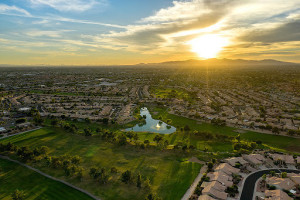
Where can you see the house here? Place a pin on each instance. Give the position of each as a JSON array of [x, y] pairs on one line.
[[2, 130], [254, 159], [298, 159], [281, 183], [206, 197], [227, 169], [288, 159], [232, 161], [295, 178], [276, 195], [221, 177], [215, 189]]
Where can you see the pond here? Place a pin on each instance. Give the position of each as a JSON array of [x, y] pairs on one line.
[[152, 125]]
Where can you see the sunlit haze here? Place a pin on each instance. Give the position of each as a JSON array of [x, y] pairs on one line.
[[105, 32], [208, 46]]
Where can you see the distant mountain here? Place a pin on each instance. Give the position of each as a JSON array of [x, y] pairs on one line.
[[222, 62]]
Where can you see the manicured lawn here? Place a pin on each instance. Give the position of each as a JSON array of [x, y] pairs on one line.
[[35, 186], [169, 172], [270, 141], [168, 92]]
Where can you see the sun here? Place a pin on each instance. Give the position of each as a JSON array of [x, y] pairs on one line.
[[208, 46]]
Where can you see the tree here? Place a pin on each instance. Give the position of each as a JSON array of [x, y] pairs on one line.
[[113, 170], [187, 128], [210, 165], [93, 172], [135, 137], [272, 173], [76, 160], [146, 142], [54, 122], [44, 150], [139, 181], [166, 143], [147, 184], [158, 138], [126, 177], [151, 197], [105, 121], [18, 195], [130, 135], [283, 175], [87, 120], [122, 140], [87, 132], [79, 173], [103, 176], [169, 121], [275, 130]]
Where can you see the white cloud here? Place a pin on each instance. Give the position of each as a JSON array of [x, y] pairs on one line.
[[13, 10], [70, 5], [169, 28], [180, 10], [38, 33]]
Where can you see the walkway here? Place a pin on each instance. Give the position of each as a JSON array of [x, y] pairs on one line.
[[7, 136], [192, 188], [48, 176]]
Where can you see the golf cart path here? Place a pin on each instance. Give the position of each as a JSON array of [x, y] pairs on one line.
[[50, 177]]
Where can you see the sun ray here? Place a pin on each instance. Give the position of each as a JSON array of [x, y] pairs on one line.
[[208, 46]]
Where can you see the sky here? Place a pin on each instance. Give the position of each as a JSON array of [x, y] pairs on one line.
[[116, 32]]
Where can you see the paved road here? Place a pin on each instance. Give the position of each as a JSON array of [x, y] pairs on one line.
[[249, 184], [48, 176], [20, 133]]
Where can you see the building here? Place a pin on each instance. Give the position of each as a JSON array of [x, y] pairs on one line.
[[232, 161], [276, 195], [214, 189], [281, 183], [227, 169], [288, 159], [295, 178], [254, 159], [206, 197], [221, 177]]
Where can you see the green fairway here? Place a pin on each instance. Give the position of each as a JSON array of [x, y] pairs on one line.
[[270, 141], [169, 172], [35, 186]]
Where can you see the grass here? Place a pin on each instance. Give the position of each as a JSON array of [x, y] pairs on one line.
[[170, 174], [278, 142], [35, 186], [163, 93]]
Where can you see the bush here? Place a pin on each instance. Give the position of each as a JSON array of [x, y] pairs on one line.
[[126, 177]]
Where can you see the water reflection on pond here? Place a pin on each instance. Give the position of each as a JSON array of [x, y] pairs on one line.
[[152, 125]]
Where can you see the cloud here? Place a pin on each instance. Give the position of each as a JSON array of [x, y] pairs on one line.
[[46, 19], [283, 33], [52, 34], [13, 10], [169, 29], [155, 31], [70, 5]]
